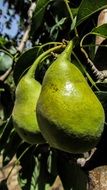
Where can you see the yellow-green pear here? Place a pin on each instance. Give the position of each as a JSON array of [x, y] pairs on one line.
[[69, 114]]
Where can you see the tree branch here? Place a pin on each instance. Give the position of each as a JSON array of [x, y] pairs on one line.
[[28, 28], [6, 74], [100, 75]]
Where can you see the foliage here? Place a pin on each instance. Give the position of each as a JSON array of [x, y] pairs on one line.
[[52, 22]]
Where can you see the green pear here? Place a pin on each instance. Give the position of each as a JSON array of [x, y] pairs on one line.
[[69, 114], [27, 94], [24, 119]]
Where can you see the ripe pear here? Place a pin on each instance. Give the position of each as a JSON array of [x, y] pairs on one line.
[[69, 114], [27, 93]]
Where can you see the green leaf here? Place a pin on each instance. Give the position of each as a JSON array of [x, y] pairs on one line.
[[89, 7], [102, 96], [41, 174], [39, 14], [100, 31], [11, 146], [24, 61], [5, 62], [5, 133], [74, 11], [100, 58], [1, 114], [6, 100], [71, 175], [25, 154], [3, 41], [54, 31], [37, 177], [82, 68]]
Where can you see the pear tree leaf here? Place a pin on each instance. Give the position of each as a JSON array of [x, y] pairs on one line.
[[24, 62], [39, 13], [3, 41], [25, 154], [58, 26], [41, 175], [88, 8], [71, 174], [100, 30], [11, 146], [37, 177], [102, 96], [4, 136], [74, 11], [100, 58]]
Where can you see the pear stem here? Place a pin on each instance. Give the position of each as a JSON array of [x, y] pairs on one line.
[[31, 71], [67, 52]]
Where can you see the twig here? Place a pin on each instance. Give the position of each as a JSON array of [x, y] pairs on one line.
[[100, 75], [6, 74], [27, 31], [96, 72]]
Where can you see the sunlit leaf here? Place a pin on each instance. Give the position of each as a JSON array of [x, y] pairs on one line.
[[100, 30], [88, 8]]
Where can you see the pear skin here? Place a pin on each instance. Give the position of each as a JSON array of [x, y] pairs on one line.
[[70, 116]]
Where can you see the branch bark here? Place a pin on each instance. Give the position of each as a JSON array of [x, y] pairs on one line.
[[28, 28], [6, 74]]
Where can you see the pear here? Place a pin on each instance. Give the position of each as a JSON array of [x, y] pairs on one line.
[[26, 96], [24, 119], [69, 114]]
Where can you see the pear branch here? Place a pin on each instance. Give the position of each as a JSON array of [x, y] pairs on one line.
[[27, 31], [6, 74], [100, 75]]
